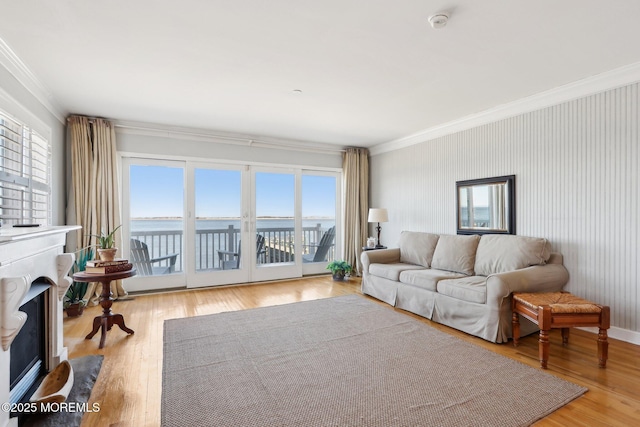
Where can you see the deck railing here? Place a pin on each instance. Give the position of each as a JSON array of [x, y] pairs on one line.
[[278, 248], [161, 243]]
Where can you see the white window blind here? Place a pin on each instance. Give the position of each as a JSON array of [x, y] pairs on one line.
[[25, 174]]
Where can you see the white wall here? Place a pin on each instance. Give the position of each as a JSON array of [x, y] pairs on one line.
[[155, 141], [577, 184]]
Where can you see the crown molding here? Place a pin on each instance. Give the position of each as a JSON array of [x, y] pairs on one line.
[[12, 108], [165, 131], [605, 81], [14, 65]]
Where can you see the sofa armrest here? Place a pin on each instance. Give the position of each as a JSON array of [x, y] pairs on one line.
[[538, 278], [379, 256], [555, 258]]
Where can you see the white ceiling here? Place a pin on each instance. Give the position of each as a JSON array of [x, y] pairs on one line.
[[370, 71]]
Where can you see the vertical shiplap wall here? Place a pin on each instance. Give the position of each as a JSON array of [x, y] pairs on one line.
[[577, 184]]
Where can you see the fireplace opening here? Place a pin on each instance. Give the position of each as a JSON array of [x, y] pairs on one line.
[[28, 349]]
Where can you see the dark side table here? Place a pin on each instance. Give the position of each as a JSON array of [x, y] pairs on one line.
[[367, 248], [107, 319]]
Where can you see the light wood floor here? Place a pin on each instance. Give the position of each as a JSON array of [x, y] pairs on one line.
[[128, 389]]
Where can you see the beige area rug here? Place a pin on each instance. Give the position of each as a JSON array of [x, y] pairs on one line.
[[342, 361]]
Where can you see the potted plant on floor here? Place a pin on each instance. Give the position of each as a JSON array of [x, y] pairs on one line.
[[105, 243], [339, 269], [73, 301]]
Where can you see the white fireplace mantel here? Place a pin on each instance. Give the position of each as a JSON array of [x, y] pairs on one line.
[[27, 254]]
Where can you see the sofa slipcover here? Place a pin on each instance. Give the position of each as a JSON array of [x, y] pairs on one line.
[[464, 282]]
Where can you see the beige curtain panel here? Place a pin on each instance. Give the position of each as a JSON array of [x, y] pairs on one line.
[[355, 165], [94, 200]]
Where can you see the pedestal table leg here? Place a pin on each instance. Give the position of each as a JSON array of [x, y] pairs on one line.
[[107, 319]]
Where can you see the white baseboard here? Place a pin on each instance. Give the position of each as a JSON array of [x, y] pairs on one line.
[[619, 334]]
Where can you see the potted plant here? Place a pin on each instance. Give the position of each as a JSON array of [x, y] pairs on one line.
[[73, 301], [105, 243], [339, 269]]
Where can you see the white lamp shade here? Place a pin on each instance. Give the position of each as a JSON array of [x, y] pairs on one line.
[[378, 215]]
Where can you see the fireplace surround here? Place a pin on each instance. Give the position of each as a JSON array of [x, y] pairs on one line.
[[29, 255]]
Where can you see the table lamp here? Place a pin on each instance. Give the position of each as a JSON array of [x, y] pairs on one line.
[[378, 215]]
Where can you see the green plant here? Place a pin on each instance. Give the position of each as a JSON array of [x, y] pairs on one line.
[[77, 289], [342, 267], [106, 241]]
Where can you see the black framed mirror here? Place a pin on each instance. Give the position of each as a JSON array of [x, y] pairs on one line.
[[486, 205]]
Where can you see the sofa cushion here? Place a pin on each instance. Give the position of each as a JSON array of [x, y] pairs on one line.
[[417, 248], [455, 253], [498, 253], [471, 288], [427, 279], [391, 271]]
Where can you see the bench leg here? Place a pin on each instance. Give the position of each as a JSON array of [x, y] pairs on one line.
[[603, 348], [603, 343], [565, 336], [543, 348], [515, 322]]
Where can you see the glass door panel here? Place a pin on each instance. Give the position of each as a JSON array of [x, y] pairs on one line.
[[274, 225], [318, 220], [320, 228], [218, 225], [155, 225], [275, 218], [218, 196]]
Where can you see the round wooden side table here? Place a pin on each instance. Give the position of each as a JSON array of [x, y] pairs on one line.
[[107, 319]]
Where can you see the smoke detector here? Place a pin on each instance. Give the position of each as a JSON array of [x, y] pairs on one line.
[[439, 20]]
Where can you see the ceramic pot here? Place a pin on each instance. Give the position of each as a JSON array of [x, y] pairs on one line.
[[338, 276], [75, 310], [107, 254]]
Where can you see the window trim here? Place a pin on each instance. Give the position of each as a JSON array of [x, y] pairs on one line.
[[25, 190]]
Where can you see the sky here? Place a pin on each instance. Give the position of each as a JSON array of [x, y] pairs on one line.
[[158, 191], [480, 195]]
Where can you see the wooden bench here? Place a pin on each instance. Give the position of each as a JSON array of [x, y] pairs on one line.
[[560, 310]]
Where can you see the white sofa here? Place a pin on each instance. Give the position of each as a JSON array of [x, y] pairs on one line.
[[462, 281]]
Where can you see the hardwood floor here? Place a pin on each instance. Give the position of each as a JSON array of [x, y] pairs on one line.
[[128, 389]]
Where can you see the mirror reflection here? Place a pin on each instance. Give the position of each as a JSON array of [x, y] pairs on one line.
[[486, 205]]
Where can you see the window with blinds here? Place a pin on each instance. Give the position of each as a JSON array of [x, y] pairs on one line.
[[25, 174]]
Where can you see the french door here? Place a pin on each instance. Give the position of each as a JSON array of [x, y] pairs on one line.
[[319, 208], [218, 224], [231, 223], [274, 224], [153, 205]]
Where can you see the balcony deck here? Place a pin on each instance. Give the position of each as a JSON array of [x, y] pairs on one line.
[[279, 245]]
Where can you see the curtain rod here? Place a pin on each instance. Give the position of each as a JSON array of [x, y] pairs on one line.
[[91, 119]]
